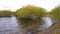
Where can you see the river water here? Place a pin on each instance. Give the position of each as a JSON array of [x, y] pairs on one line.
[[9, 25]]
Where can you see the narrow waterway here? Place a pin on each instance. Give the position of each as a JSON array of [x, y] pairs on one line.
[[9, 25]]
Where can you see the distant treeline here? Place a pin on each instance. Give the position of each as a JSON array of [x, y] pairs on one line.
[[6, 13]]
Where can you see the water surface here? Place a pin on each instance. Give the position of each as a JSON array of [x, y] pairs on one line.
[[10, 25]]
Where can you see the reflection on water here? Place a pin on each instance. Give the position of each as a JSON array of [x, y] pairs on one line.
[[47, 21], [37, 28], [10, 24]]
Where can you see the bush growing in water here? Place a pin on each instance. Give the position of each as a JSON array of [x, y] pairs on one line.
[[30, 11]]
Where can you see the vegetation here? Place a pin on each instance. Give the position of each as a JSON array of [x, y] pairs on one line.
[[27, 11], [30, 11], [56, 12], [5, 13]]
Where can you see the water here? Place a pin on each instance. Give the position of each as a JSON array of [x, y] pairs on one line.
[[47, 24], [47, 21], [9, 25]]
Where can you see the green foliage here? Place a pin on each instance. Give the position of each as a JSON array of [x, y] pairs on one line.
[[5, 12], [30, 11], [56, 12]]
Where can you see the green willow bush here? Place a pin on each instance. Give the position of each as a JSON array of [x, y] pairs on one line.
[[30, 11]]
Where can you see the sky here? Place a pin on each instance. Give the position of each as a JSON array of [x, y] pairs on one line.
[[16, 4]]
